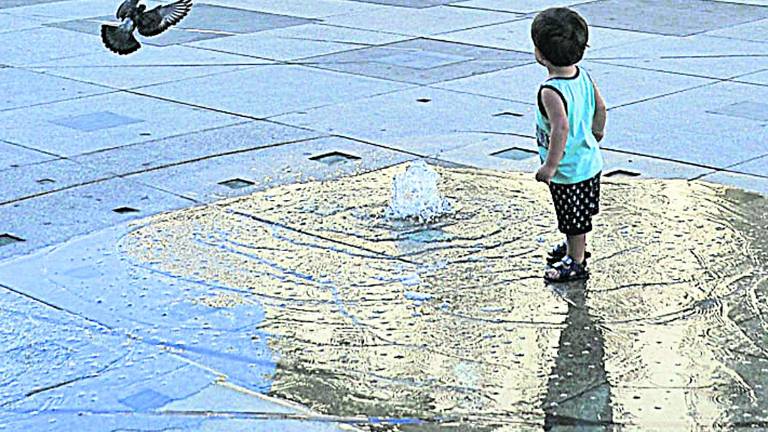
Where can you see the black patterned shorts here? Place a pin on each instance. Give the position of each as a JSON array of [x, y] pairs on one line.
[[575, 204]]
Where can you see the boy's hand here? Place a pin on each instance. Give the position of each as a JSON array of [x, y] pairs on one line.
[[598, 134], [545, 173]]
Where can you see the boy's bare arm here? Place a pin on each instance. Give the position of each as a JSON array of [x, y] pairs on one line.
[[558, 120], [598, 121]]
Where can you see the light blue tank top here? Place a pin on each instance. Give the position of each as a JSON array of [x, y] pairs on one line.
[[582, 159]]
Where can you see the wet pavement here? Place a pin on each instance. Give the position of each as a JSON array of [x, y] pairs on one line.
[[196, 236]]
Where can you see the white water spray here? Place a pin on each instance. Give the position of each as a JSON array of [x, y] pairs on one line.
[[415, 194]]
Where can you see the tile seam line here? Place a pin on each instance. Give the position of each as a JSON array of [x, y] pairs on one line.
[[396, 150], [732, 78], [74, 158], [218, 155], [478, 8], [480, 26], [54, 306], [69, 99], [727, 169], [112, 175], [45, 152], [695, 164]]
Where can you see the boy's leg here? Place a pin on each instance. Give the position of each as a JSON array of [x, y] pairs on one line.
[[576, 247]]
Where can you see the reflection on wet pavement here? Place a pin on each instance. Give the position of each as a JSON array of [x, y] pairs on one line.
[[449, 326]]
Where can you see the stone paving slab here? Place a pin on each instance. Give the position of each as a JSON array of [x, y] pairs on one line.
[[743, 181], [16, 91], [619, 85], [760, 78], [419, 22], [11, 23], [56, 11], [664, 127], [54, 218], [208, 180], [415, 4], [46, 177], [48, 43], [696, 55], [44, 347], [517, 6], [758, 166], [183, 346], [157, 154], [755, 31], [516, 36], [421, 61], [399, 120], [512, 153], [301, 8], [12, 156], [145, 67], [669, 17], [274, 90], [16, 3], [292, 43], [101, 122]]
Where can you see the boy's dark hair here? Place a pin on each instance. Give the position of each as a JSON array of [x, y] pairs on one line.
[[561, 36]]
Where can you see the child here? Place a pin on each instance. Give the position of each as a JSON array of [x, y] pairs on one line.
[[569, 123]]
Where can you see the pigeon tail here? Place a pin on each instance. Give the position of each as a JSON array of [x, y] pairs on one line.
[[119, 39]]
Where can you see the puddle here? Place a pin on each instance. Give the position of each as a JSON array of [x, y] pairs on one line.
[[449, 325]]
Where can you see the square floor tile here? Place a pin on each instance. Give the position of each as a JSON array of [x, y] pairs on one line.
[[147, 67], [516, 35], [272, 90], [619, 85], [747, 109], [176, 150], [95, 121], [684, 127], [668, 17], [21, 88], [699, 55], [301, 8], [421, 61], [12, 156], [399, 120], [78, 126], [44, 44], [6, 4], [268, 167], [517, 6], [46, 177], [297, 42], [758, 166], [203, 22], [416, 4], [743, 181], [233, 20], [420, 22]]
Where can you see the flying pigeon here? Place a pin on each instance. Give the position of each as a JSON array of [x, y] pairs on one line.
[[120, 39]]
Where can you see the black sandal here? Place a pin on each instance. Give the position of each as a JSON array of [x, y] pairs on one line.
[[567, 270], [558, 253]]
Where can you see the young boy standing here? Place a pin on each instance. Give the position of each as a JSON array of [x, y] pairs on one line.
[[569, 123]]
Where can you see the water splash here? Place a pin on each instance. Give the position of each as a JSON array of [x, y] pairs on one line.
[[415, 195]]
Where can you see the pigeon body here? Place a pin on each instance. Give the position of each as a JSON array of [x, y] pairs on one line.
[[120, 39]]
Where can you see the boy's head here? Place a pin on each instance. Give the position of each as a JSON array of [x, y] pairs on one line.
[[560, 35]]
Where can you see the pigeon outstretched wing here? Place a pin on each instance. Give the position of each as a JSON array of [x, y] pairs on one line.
[[119, 38], [157, 20]]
